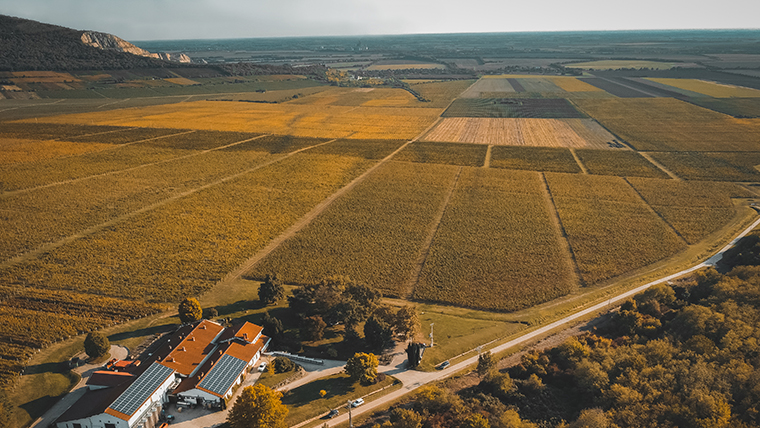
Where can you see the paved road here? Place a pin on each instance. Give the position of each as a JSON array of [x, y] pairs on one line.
[[85, 371], [414, 379]]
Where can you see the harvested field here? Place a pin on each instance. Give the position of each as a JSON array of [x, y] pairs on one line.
[[322, 121], [665, 124], [711, 166], [492, 85], [695, 209], [711, 89], [184, 247], [521, 132], [623, 163], [609, 227], [546, 108], [736, 107], [534, 159], [536, 84], [444, 153], [373, 234], [497, 247], [615, 89], [516, 84]]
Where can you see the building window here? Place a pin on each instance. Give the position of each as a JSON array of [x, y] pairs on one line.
[[110, 425], [77, 425]]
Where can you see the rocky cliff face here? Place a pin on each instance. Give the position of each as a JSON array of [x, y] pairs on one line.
[[110, 42]]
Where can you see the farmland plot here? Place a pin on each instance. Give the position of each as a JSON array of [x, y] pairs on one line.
[[736, 107], [520, 132], [664, 124], [373, 234], [545, 108], [16, 150], [711, 89], [726, 166], [493, 85], [534, 159], [51, 131], [694, 209], [623, 163], [610, 229], [183, 247], [366, 149], [497, 247], [572, 84], [441, 94], [444, 153]]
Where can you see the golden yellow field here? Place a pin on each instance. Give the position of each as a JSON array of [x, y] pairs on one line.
[[14, 150], [367, 97], [713, 89], [324, 121], [571, 84], [576, 133]]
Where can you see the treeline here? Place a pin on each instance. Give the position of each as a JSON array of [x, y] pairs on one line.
[[31, 45], [681, 355], [250, 69]]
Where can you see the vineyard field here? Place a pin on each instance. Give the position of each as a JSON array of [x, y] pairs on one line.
[[534, 159], [665, 124], [365, 149], [610, 229], [184, 247], [710, 89], [16, 150], [310, 120], [695, 209], [497, 247], [51, 131], [542, 108], [441, 94], [622, 163], [736, 107], [727, 166], [373, 234], [444, 153], [520, 132]]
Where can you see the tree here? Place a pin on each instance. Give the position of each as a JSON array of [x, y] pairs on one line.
[[271, 290], [313, 328], [283, 364], [407, 322], [96, 344], [405, 418], [475, 421], [190, 310], [272, 326], [591, 418], [367, 298], [258, 407], [362, 367], [486, 364], [377, 334], [209, 313]]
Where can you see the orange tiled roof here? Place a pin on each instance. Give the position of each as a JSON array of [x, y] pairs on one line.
[[245, 352], [248, 331], [193, 348]]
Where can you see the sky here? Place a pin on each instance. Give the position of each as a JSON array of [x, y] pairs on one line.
[[219, 19]]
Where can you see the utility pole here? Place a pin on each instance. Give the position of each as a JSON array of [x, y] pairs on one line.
[[431, 334], [350, 422]]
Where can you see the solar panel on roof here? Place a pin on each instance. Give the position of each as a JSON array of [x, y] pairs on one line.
[[223, 374], [142, 388]]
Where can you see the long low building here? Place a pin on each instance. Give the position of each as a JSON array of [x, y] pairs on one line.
[[201, 363]]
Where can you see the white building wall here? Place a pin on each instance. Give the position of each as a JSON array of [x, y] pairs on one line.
[[157, 397], [199, 393], [97, 421]]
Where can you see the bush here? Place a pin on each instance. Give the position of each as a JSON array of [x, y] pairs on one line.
[[210, 313], [283, 365]]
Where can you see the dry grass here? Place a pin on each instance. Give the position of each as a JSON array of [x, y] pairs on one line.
[[712, 89], [322, 121], [521, 132]]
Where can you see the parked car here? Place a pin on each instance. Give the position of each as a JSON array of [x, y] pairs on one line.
[[263, 366], [444, 365], [333, 413], [357, 402]]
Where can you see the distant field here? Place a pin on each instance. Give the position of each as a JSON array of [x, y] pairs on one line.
[[711, 89], [373, 234], [444, 153], [695, 209], [740, 166], [622, 163], [534, 159], [182, 81], [491, 85], [665, 124], [322, 121], [736, 107], [496, 247], [618, 64], [610, 229], [396, 65], [572, 84], [441, 94], [521, 132], [546, 108], [368, 97]]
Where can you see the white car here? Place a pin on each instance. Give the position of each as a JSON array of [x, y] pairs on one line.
[[263, 366], [358, 402]]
